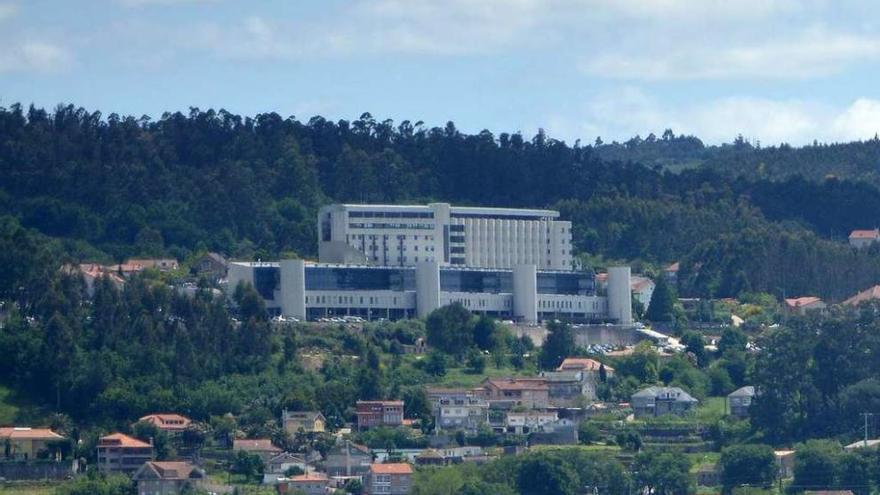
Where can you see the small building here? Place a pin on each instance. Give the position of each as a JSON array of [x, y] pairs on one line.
[[161, 264], [784, 463], [430, 457], [168, 422], [167, 478], [528, 421], [259, 446], [739, 401], [92, 273], [560, 432], [307, 421], [277, 467], [863, 238], [388, 479], [531, 393], [658, 401], [211, 266], [347, 459], [642, 289], [870, 294], [120, 453], [308, 484], [27, 443], [670, 273], [458, 409], [864, 444], [802, 305], [372, 413]]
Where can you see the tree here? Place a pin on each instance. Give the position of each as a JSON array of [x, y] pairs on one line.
[[558, 344], [662, 305], [435, 364], [476, 361], [753, 465], [150, 433], [732, 339], [588, 432], [248, 465], [815, 464], [543, 475], [695, 345], [663, 473], [485, 333], [450, 329]]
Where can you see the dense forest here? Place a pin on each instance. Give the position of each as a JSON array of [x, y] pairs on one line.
[[111, 187]]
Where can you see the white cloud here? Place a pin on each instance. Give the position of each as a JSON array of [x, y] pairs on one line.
[[7, 11], [815, 53], [34, 56], [628, 111]]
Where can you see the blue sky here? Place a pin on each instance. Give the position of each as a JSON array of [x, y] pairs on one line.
[[773, 70]]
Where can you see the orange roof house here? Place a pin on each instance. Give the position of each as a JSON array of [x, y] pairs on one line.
[[870, 294], [25, 442], [582, 364], [171, 423]]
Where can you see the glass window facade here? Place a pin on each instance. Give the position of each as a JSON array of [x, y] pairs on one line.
[[476, 281], [574, 283], [333, 278], [266, 280]]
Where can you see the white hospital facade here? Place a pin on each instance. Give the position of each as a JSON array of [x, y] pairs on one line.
[[379, 261]]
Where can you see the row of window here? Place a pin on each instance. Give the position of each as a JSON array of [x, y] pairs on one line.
[[544, 304], [348, 300], [390, 214], [399, 237], [407, 226]]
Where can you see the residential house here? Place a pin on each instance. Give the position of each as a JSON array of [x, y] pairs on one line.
[[167, 478], [864, 444], [642, 289], [121, 453], [802, 305], [863, 238], [563, 431], [308, 484], [739, 401], [531, 393], [784, 463], [569, 388], [307, 421], [388, 479], [430, 457], [26, 443], [211, 266], [348, 459], [658, 401], [260, 446], [458, 409], [585, 364], [168, 422], [371, 413], [527, 421], [277, 466], [670, 273], [871, 294], [161, 264]]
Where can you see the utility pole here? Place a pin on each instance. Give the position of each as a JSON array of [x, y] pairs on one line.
[[865, 416]]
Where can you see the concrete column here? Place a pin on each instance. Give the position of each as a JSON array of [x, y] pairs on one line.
[[293, 288], [525, 293], [427, 288], [619, 295]]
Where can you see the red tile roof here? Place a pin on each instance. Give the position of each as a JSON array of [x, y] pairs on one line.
[[391, 468], [865, 234], [172, 470], [122, 440], [582, 364], [26, 433], [798, 302], [672, 268], [167, 421], [865, 295]]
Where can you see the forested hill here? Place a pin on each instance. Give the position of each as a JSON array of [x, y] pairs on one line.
[[113, 186], [858, 160]]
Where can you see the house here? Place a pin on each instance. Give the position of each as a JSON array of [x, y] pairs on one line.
[[348, 459], [458, 409], [277, 467], [121, 453], [430, 457], [28, 443], [307, 421], [784, 463], [525, 422], [739, 401], [670, 273], [371, 413], [168, 422], [584, 364], [570, 388], [871, 294], [531, 393], [308, 484], [864, 444], [259, 446], [560, 432], [161, 264], [642, 289], [802, 305], [167, 478], [91, 273], [388, 479], [863, 238], [211, 266], [658, 401]]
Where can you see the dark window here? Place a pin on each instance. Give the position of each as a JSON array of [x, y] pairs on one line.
[[266, 279], [456, 228], [331, 278], [456, 250], [456, 238]]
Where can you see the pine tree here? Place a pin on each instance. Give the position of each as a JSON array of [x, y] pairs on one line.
[[662, 303]]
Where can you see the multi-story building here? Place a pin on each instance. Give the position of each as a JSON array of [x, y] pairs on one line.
[[404, 235], [529, 421], [388, 479], [121, 453], [458, 409], [372, 413], [659, 401], [505, 393], [295, 288]]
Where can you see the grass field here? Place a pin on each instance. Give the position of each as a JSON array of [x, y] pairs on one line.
[[27, 489]]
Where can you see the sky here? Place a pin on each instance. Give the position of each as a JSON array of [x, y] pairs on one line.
[[772, 70]]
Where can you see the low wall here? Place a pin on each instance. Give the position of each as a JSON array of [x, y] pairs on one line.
[[584, 335], [36, 470]]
